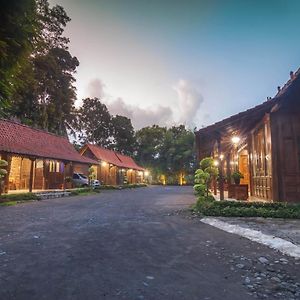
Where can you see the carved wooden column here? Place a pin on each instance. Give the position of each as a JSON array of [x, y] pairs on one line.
[[32, 161], [221, 175]]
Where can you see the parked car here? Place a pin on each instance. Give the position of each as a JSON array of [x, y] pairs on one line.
[[95, 183], [80, 180]]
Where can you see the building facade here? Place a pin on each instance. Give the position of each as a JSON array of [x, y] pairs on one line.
[[113, 168], [38, 160], [263, 143]]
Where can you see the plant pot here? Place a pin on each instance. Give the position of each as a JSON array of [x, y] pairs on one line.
[[237, 181]]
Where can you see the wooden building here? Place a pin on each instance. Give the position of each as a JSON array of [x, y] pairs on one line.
[[263, 143], [38, 160], [113, 168]]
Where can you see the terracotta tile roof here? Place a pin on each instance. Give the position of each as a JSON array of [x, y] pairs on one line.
[[103, 154], [24, 140], [112, 157], [128, 162]]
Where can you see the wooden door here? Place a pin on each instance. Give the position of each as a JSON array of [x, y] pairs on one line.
[[244, 168]]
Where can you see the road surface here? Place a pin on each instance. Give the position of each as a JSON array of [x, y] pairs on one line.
[[128, 244]]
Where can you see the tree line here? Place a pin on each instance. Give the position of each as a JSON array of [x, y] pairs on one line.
[[37, 88]]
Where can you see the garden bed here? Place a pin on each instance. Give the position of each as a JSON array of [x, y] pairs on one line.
[[207, 206]]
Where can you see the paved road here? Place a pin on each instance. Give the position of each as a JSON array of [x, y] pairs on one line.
[[119, 245]]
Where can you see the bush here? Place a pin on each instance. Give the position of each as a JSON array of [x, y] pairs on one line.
[[18, 197], [208, 207]]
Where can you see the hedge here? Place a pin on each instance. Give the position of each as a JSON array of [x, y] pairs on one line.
[[209, 207]]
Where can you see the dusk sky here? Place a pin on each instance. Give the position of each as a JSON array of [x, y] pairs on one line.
[[192, 62]]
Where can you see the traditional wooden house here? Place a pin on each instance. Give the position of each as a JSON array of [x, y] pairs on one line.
[[38, 160], [263, 143], [113, 168]]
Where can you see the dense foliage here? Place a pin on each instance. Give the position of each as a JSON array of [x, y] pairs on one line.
[[167, 151], [17, 31], [37, 68]]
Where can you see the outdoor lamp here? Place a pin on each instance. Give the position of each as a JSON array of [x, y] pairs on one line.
[[221, 156], [146, 173], [103, 163], [216, 163], [235, 139]]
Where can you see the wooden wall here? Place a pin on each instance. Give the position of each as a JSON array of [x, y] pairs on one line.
[[286, 155]]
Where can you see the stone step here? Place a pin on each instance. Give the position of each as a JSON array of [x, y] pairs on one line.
[[51, 195]]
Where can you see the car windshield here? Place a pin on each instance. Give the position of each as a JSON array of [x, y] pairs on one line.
[[83, 176]]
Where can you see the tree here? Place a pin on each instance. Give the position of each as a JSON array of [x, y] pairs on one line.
[[170, 152], [46, 95], [18, 28], [94, 123], [177, 156], [149, 142], [123, 135]]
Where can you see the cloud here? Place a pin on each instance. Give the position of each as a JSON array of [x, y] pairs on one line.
[[96, 88], [189, 101], [184, 110], [140, 117]]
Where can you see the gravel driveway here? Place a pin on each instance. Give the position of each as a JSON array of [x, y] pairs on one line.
[[131, 244]]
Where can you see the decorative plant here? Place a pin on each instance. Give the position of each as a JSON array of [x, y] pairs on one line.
[[68, 179], [92, 174], [204, 175], [237, 175], [3, 172]]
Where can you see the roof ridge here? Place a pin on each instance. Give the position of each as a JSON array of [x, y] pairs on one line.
[[33, 128]]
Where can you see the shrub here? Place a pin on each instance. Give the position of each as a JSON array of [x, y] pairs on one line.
[[208, 207], [18, 197]]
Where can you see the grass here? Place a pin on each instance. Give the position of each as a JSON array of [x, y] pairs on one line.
[[18, 197], [10, 203], [209, 207], [13, 199]]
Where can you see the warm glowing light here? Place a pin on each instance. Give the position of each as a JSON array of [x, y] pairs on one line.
[[216, 163], [103, 163], [221, 156], [146, 173], [130, 170], [235, 139]]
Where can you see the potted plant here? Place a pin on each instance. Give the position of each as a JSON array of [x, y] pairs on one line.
[[237, 175], [68, 182], [3, 172]]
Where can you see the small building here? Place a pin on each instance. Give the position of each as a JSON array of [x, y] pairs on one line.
[[113, 168], [263, 143], [38, 160]]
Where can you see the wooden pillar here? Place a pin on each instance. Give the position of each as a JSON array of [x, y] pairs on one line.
[[31, 175], [64, 175], [221, 175]]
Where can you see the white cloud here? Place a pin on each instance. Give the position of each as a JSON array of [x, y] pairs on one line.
[[183, 111], [140, 117], [189, 101]]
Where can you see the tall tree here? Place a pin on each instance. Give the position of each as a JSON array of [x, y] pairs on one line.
[[18, 27], [123, 135], [166, 151], [149, 142], [94, 123], [46, 96]]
